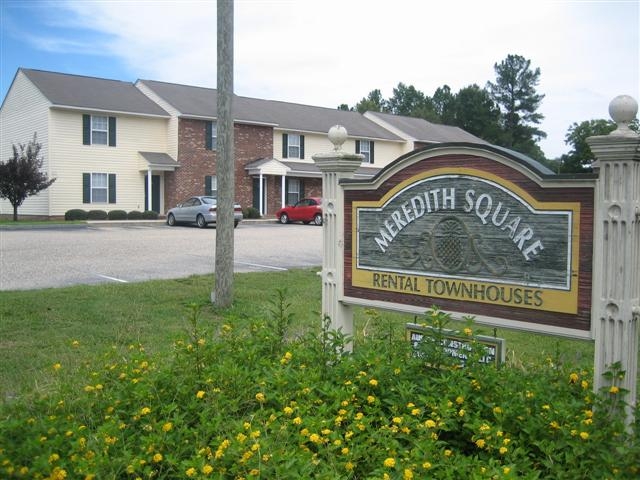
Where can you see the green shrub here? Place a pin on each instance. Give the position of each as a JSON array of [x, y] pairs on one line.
[[149, 215], [134, 215], [117, 215], [251, 212], [234, 401], [97, 215], [76, 214]]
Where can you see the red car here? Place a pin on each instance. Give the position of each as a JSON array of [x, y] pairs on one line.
[[306, 211]]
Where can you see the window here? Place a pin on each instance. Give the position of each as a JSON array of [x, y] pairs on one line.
[[98, 130], [292, 145], [211, 136], [294, 190], [365, 147], [98, 188], [211, 186]]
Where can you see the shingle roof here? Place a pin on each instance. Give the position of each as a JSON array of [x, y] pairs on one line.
[[424, 131], [76, 91], [159, 158], [202, 102]]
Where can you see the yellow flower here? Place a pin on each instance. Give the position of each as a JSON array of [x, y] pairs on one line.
[[448, 453], [584, 384], [429, 424], [480, 443], [287, 410], [254, 472], [345, 450], [390, 462], [415, 411], [468, 332], [497, 410], [157, 458], [54, 457], [426, 465], [57, 366], [460, 400], [315, 438], [614, 389], [348, 466], [584, 435], [167, 427], [461, 412], [191, 472], [297, 421], [145, 411], [506, 470], [371, 399], [503, 450], [207, 469], [573, 378], [397, 420], [260, 397], [200, 394], [75, 343], [373, 382], [407, 474]]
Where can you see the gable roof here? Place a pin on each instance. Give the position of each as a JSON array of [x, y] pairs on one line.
[[421, 130], [90, 93], [201, 102]]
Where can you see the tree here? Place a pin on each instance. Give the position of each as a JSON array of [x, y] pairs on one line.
[[444, 104], [372, 102], [20, 176], [344, 107], [410, 102], [515, 93], [580, 157], [476, 113]]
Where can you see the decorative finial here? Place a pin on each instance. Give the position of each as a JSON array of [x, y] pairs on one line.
[[623, 110], [337, 135]]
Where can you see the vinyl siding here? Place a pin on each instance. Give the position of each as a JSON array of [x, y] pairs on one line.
[[71, 159], [172, 128], [24, 112], [385, 152]]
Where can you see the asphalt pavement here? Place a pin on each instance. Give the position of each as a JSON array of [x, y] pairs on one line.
[[32, 258]]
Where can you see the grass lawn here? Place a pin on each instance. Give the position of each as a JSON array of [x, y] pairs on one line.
[[38, 327]]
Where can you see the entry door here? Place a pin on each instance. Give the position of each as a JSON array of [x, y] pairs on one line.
[[155, 193], [256, 195]]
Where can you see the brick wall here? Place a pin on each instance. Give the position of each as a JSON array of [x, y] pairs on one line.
[[251, 143]]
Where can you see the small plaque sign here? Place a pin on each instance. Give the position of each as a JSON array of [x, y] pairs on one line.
[[458, 347]]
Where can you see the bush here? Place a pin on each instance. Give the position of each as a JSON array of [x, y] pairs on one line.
[[117, 215], [76, 214], [251, 212], [97, 215], [134, 215], [250, 402], [149, 215]]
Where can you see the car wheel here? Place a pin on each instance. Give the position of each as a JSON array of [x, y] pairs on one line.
[[201, 221], [284, 218], [171, 220], [317, 219]]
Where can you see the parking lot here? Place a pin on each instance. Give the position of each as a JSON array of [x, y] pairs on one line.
[[99, 253]]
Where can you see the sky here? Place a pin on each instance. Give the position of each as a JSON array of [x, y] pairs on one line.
[[329, 52]]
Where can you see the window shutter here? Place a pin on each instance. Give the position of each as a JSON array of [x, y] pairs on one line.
[[112, 188], [208, 134], [86, 130], [357, 146], [301, 146], [86, 188], [285, 145], [302, 189], [371, 151], [112, 131], [207, 185]]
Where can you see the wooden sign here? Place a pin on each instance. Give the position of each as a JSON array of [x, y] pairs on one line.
[[475, 235]]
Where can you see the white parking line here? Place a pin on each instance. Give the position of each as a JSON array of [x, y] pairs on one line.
[[111, 278], [261, 266]]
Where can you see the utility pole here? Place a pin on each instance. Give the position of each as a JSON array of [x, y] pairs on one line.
[[222, 295]]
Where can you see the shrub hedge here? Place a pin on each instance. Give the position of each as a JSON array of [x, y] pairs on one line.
[[117, 215], [251, 212], [76, 214], [246, 403], [134, 215], [149, 215], [97, 215]]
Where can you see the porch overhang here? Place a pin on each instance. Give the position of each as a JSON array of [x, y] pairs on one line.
[[157, 161], [267, 166]]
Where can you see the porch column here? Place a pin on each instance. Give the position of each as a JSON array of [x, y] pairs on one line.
[[615, 313], [149, 193], [335, 166], [282, 192], [260, 194]]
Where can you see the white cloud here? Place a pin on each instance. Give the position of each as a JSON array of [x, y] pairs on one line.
[[331, 52]]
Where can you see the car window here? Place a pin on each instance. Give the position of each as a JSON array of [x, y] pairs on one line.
[[209, 200], [303, 203]]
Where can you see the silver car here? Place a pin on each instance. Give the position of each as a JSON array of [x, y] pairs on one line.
[[199, 210]]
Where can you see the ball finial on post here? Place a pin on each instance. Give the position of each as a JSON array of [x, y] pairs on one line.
[[337, 136], [623, 110]]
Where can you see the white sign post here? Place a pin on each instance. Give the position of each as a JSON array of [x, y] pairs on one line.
[[615, 313]]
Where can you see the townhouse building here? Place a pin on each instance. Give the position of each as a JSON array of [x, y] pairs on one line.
[[150, 144]]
